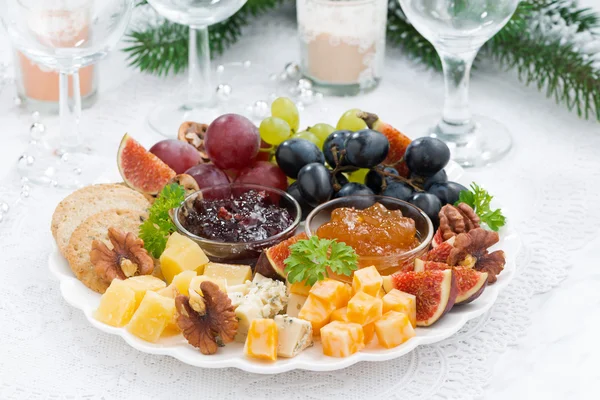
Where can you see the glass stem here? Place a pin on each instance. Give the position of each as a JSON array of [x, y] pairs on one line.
[[200, 90], [70, 114], [456, 117]]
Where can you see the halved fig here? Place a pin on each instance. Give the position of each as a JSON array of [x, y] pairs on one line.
[[270, 263], [470, 282], [438, 239], [439, 253], [435, 291]]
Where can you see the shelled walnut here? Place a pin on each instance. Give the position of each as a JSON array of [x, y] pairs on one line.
[[457, 219], [472, 248], [193, 133], [127, 258], [187, 181], [207, 321]]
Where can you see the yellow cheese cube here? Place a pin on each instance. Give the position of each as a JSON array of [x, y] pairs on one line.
[[393, 329], [117, 304], [152, 316], [233, 274], [170, 291], [141, 284], [402, 302], [332, 291], [181, 281], [367, 280], [341, 314], [300, 288], [295, 303], [342, 339], [262, 340], [197, 280], [181, 254], [317, 312], [380, 294], [364, 309]]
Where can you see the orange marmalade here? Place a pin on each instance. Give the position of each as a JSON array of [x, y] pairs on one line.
[[374, 231]]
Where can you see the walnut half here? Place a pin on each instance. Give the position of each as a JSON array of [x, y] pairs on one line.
[[208, 321], [127, 258], [472, 249], [457, 219]]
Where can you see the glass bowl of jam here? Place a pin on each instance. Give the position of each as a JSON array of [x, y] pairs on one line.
[[234, 223], [384, 231]]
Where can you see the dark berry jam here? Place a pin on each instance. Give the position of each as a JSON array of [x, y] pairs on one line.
[[248, 217]]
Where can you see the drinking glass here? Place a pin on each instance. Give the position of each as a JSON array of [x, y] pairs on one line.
[[457, 29], [199, 102], [63, 36]]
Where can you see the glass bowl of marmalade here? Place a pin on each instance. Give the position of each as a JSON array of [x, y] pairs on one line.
[[384, 231]]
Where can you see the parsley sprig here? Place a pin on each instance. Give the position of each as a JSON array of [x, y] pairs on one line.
[[156, 229], [479, 199], [310, 258]]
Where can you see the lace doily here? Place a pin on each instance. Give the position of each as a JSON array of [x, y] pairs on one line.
[[50, 351]]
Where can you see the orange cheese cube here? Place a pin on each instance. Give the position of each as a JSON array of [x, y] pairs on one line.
[[262, 339], [364, 309], [332, 291], [300, 288], [341, 314], [342, 339], [369, 331], [317, 312], [117, 304], [393, 329], [367, 280], [402, 302]]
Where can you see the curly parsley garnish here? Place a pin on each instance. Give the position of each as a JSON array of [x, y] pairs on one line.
[[310, 258], [479, 199], [156, 229]]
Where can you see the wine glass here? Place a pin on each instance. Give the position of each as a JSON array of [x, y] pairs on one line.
[[457, 29], [199, 102], [64, 36]]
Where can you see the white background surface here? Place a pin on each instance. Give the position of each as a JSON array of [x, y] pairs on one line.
[[550, 183]]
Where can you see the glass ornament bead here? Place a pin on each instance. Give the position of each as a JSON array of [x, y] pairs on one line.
[[223, 91], [304, 83], [4, 207], [37, 130], [260, 109], [292, 70], [35, 116]]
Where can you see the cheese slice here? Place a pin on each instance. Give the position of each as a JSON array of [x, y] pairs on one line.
[[295, 304], [233, 274], [295, 335]]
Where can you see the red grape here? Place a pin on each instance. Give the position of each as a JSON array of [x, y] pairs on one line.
[[263, 173], [263, 155], [232, 141], [178, 155], [208, 175]]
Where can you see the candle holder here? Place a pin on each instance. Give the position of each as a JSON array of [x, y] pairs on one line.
[[342, 44]]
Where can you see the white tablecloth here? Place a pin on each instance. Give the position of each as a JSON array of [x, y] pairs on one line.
[[539, 340]]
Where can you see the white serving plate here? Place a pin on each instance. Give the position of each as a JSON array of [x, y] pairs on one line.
[[80, 297]]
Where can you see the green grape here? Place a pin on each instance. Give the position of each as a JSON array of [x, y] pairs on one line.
[[321, 131], [306, 135], [358, 176], [285, 109], [349, 121], [274, 130]]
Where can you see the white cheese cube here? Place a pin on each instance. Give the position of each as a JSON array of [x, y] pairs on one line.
[[249, 310], [241, 288], [236, 298], [295, 303], [295, 335]]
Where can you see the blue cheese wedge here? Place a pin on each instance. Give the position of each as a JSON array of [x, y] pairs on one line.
[[294, 335], [273, 294]]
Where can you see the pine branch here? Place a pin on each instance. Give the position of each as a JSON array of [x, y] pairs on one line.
[[163, 49]]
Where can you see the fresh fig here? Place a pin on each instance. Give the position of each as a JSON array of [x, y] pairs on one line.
[[470, 282], [435, 291], [439, 253], [270, 263]]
